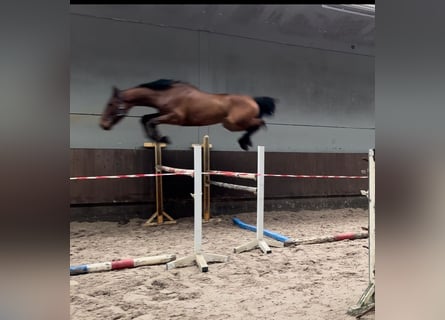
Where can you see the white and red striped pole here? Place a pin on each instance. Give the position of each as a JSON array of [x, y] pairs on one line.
[[125, 176], [121, 264]]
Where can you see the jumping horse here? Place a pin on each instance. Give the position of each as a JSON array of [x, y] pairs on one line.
[[183, 104]]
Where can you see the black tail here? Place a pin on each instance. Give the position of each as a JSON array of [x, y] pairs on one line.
[[266, 104]]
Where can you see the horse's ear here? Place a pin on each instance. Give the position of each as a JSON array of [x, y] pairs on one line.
[[115, 91]]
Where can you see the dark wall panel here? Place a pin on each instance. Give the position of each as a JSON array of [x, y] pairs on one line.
[[95, 162]]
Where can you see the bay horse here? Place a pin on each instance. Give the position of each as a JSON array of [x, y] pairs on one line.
[[180, 103]]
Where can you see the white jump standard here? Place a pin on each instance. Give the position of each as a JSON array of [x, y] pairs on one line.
[[259, 242], [366, 302], [198, 256]]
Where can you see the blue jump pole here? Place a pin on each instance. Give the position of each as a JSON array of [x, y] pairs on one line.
[[267, 233]]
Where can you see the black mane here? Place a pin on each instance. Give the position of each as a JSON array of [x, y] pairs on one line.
[[161, 84]]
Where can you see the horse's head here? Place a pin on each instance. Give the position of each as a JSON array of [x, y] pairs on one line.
[[115, 110]]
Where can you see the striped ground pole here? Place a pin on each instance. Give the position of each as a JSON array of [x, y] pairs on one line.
[[337, 237], [120, 264]]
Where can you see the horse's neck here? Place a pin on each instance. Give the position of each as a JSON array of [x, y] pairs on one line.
[[140, 97]]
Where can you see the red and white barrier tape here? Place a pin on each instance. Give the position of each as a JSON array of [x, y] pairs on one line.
[[188, 172], [314, 176]]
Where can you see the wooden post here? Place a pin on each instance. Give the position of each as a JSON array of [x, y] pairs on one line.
[[206, 168], [160, 213]]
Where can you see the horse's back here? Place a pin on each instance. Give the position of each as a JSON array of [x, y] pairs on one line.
[[198, 108]]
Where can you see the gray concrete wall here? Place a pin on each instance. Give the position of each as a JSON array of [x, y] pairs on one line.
[[326, 93]]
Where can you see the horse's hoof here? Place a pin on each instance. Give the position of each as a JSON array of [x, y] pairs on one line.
[[243, 145], [247, 142], [165, 139]]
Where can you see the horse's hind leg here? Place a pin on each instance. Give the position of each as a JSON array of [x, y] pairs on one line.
[[245, 141]]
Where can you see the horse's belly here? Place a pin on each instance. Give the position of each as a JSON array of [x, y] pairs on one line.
[[203, 118], [232, 126], [199, 122]]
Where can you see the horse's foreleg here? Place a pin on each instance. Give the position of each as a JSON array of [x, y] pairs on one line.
[[169, 118], [150, 130]]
